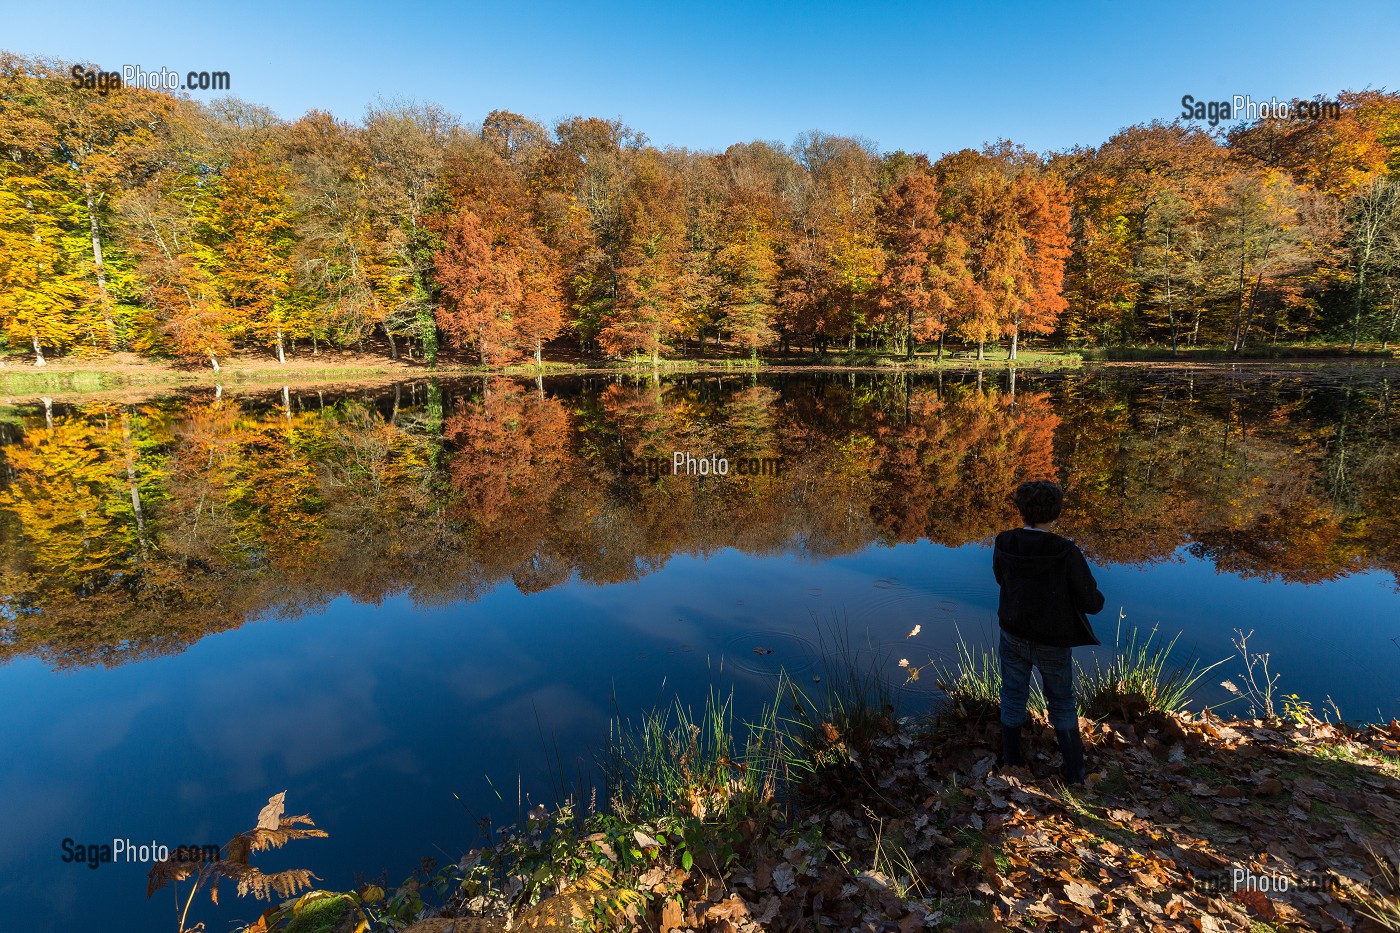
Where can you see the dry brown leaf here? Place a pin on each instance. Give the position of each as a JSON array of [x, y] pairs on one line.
[[670, 915], [270, 816]]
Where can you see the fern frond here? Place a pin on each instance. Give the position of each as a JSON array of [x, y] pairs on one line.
[[597, 878], [182, 864], [462, 925], [168, 872], [260, 884], [594, 890], [261, 839]]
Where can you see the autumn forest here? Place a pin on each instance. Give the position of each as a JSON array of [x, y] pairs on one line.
[[132, 220]]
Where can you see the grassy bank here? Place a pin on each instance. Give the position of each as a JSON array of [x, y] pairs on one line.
[[121, 372], [838, 811], [951, 359], [1300, 352]]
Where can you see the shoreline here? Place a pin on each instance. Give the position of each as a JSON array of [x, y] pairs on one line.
[[89, 378]]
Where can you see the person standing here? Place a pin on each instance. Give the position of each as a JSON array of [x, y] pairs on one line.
[[1047, 594]]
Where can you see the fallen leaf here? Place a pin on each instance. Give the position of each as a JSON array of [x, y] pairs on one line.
[[670, 915], [1081, 894]]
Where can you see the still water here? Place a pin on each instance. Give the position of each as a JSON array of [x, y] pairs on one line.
[[375, 599]]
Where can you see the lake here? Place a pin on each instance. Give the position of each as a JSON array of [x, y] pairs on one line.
[[379, 598]]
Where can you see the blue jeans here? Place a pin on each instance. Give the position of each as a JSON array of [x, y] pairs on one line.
[[1018, 656]]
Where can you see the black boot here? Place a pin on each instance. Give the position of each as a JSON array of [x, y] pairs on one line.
[[1072, 750], [1011, 747]]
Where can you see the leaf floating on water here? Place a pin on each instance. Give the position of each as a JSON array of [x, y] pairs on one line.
[[917, 629], [761, 650], [270, 816]]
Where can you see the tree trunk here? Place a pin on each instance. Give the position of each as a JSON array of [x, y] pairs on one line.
[[393, 346], [213, 362], [1360, 303], [981, 348], [940, 348], [131, 482], [1249, 315], [39, 354], [1015, 339], [539, 352], [98, 266], [1239, 312], [281, 353], [1171, 312]]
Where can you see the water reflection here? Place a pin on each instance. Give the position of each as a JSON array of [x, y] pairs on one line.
[[479, 577], [133, 530]]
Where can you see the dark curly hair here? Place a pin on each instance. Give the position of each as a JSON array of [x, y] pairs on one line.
[[1039, 501]]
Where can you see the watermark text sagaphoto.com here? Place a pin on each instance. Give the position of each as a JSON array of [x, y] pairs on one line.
[[162, 79], [1239, 878], [1243, 107], [95, 854], [684, 463]]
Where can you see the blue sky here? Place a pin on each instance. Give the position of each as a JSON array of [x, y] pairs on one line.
[[927, 76]]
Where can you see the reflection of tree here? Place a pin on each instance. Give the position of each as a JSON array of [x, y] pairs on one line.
[[136, 530], [73, 505], [953, 464], [512, 456], [1239, 473]]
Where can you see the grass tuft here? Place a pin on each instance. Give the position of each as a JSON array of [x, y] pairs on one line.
[[1139, 679], [697, 762], [972, 684]]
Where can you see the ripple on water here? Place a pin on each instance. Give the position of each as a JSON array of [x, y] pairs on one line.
[[769, 651]]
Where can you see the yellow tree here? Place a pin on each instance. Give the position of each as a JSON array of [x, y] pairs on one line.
[[44, 296], [750, 274], [252, 226], [96, 143]]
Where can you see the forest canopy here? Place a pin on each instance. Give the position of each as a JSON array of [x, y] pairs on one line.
[[140, 221]]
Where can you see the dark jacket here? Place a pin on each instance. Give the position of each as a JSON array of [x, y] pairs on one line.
[[1047, 589]]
